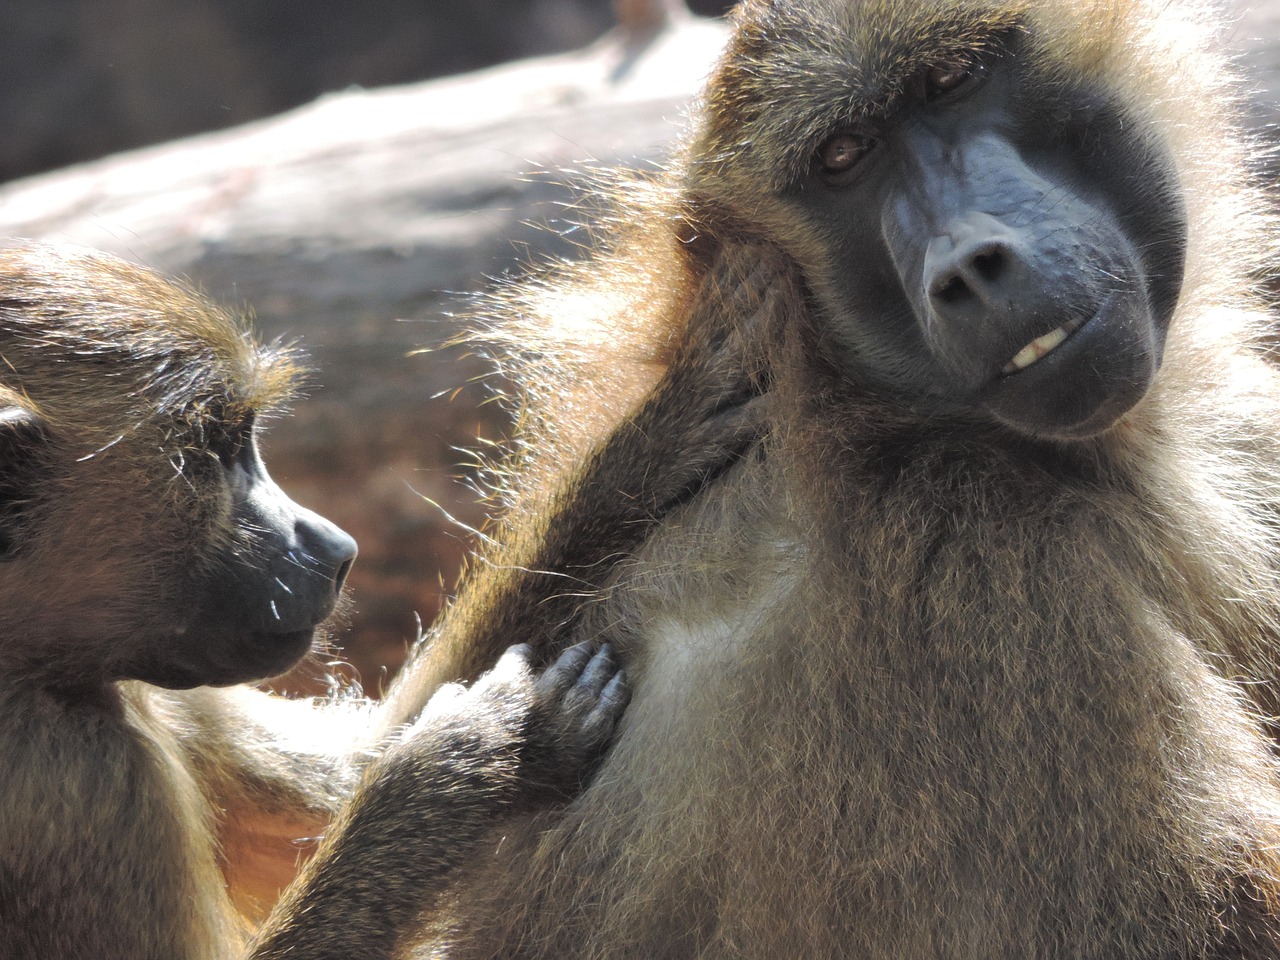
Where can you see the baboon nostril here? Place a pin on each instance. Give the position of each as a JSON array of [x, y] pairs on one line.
[[341, 576], [951, 289], [974, 276], [989, 265]]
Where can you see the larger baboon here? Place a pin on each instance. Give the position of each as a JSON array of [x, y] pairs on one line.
[[149, 565], [966, 660]]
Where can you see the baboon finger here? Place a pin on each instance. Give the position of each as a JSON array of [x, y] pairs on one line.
[[600, 722], [739, 418], [515, 656], [447, 693], [597, 674], [561, 676], [511, 674], [725, 437], [516, 663], [615, 696], [765, 272]]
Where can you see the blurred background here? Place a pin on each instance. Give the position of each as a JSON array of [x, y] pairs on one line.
[[84, 78], [349, 170]]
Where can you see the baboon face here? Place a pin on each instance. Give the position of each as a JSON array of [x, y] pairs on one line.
[[140, 534], [992, 238], [269, 580]]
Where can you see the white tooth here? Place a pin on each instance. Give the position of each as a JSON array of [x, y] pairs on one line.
[[1050, 340], [1038, 347], [1025, 357]]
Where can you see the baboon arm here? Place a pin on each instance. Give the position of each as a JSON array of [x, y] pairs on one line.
[[385, 857], [280, 753], [277, 770], [699, 419], [423, 804]]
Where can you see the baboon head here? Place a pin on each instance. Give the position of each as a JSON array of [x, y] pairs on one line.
[[140, 535], [982, 199]]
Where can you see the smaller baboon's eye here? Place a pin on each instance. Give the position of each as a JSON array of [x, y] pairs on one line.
[[843, 152], [229, 441], [942, 78]]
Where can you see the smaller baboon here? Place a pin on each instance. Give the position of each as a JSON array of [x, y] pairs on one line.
[[150, 567]]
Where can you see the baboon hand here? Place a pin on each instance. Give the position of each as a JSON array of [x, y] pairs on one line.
[[544, 733], [738, 303], [577, 703], [712, 404]]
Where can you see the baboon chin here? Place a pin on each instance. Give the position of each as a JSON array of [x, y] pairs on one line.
[[970, 657]]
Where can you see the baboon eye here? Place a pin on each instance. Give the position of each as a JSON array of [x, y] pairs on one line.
[[229, 441], [843, 152], [942, 78]]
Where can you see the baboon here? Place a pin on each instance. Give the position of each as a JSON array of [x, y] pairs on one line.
[[970, 656], [150, 567]]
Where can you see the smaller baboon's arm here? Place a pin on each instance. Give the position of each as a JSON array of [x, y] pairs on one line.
[[277, 769], [699, 419], [423, 803]]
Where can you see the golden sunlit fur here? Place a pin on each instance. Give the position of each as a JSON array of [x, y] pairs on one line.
[[912, 685]]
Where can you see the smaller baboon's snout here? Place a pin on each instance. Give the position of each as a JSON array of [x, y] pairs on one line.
[[331, 549]]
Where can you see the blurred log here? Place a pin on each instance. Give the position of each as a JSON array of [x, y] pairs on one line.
[[348, 224]]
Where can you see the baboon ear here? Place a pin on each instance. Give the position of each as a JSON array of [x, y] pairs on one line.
[[22, 436]]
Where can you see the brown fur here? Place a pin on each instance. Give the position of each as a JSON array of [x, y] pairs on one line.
[[908, 685], [141, 822], [562, 536]]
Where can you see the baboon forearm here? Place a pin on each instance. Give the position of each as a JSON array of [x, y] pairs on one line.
[[272, 751], [388, 857], [511, 740]]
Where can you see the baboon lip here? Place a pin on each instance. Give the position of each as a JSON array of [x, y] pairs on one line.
[[288, 635], [288, 638]]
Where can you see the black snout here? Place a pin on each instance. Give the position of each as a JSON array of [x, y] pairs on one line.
[[331, 549]]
